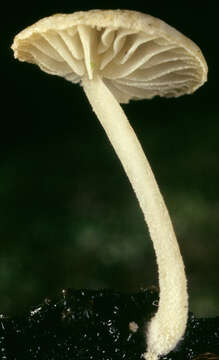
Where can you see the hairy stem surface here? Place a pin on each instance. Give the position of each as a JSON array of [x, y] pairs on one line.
[[168, 325]]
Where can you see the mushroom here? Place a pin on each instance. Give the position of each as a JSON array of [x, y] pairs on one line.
[[116, 56]]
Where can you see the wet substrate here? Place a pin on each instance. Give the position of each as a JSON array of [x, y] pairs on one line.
[[98, 325]]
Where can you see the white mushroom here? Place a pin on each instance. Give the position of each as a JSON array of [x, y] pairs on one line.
[[119, 55]]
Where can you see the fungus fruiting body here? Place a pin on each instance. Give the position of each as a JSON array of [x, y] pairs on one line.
[[119, 55]]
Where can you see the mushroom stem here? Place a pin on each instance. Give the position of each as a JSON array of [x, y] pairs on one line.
[[168, 325]]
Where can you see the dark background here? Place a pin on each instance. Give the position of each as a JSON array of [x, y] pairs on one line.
[[68, 216]]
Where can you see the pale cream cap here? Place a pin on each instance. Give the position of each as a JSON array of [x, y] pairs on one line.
[[137, 56]]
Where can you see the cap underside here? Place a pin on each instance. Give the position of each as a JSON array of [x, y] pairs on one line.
[[136, 55]]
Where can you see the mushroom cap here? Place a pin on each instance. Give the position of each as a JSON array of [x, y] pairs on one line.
[[138, 56]]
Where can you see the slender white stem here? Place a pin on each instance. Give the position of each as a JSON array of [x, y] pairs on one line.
[[168, 325]]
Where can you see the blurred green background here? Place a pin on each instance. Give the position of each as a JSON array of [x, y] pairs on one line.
[[68, 216]]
